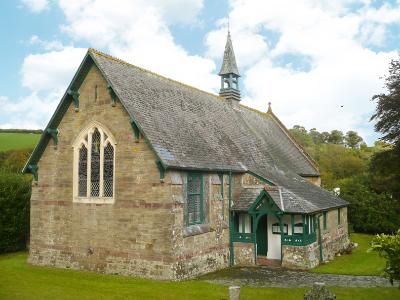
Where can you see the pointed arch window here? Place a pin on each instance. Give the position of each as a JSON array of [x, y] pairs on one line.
[[94, 166]]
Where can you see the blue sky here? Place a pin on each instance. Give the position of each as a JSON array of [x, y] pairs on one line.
[[306, 57]]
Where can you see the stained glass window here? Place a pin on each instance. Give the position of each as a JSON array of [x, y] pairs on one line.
[[95, 165], [82, 172], [194, 199], [108, 167]]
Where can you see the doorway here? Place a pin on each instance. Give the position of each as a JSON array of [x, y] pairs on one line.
[[262, 236]]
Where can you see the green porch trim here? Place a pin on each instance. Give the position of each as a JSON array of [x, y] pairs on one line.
[[136, 130], [265, 180], [75, 97], [292, 221], [112, 94], [33, 169], [324, 219], [243, 237], [299, 240], [265, 205], [338, 216], [54, 135]]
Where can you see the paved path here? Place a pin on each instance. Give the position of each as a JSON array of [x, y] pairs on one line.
[[271, 277]]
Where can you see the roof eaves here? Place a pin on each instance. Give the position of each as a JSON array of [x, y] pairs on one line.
[[57, 116]]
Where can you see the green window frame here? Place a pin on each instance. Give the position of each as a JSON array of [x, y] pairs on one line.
[[194, 207], [324, 219], [338, 216], [221, 180]]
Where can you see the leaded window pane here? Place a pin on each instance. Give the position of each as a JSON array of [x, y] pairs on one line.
[[82, 172], [194, 199], [95, 164], [108, 170]]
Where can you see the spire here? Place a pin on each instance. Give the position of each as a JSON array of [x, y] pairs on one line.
[[229, 63], [229, 75]]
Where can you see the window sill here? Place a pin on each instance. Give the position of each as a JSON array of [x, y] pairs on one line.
[[196, 230], [99, 200]]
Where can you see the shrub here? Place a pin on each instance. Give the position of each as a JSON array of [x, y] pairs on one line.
[[15, 191], [388, 246]]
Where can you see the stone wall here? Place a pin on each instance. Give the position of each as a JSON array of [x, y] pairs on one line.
[[204, 248], [133, 236], [300, 257], [244, 254], [334, 239]]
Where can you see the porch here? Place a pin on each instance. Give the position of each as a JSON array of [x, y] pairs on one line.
[[266, 229]]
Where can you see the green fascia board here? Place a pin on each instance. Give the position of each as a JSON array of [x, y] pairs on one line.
[[260, 197], [87, 62], [59, 113]]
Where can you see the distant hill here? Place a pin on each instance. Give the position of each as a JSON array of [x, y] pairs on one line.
[[14, 139]]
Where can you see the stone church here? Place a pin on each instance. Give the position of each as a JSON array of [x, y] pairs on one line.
[[141, 175]]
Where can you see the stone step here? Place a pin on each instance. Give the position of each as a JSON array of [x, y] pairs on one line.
[[264, 261]]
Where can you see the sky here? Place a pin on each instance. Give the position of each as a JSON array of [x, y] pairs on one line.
[[319, 62]]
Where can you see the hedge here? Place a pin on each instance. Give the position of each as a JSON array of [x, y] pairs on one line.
[[15, 192]]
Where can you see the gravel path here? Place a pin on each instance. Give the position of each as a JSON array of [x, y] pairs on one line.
[[271, 277]]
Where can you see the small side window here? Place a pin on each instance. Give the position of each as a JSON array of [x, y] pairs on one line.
[[276, 229]]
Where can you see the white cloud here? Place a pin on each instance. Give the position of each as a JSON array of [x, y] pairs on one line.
[[29, 111], [51, 71], [137, 31], [332, 36], [36, 5], [46, 45], [47, 76]]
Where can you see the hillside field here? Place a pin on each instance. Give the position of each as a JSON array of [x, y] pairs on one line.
[[14, 141]]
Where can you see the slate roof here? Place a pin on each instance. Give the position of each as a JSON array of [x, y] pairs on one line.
[[192, 129], [229, 65]]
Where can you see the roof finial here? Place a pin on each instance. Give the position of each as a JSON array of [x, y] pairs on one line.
[[229, 29], [269, 107]]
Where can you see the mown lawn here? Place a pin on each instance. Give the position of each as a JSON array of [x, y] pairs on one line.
[[21, 281], [14, 141], [360, 262]]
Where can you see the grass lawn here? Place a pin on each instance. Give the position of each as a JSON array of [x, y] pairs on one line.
[[360, 262], [13, 141], [21, 281]]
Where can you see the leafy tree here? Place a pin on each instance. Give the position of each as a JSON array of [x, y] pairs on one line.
[[387, 112], [388, 246], [316, 136], [336, 137], [385, 172], [301, 135], [369, 211], [325, 136], [385, 165], [352, 139]]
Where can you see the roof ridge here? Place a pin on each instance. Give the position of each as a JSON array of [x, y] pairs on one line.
[[108, 56]]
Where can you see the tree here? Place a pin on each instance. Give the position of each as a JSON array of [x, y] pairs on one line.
[[325, 136], [387, 112], [385, 165], [316, 136], [352, 139], [388, 246], [336, 137], [301, 135]]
